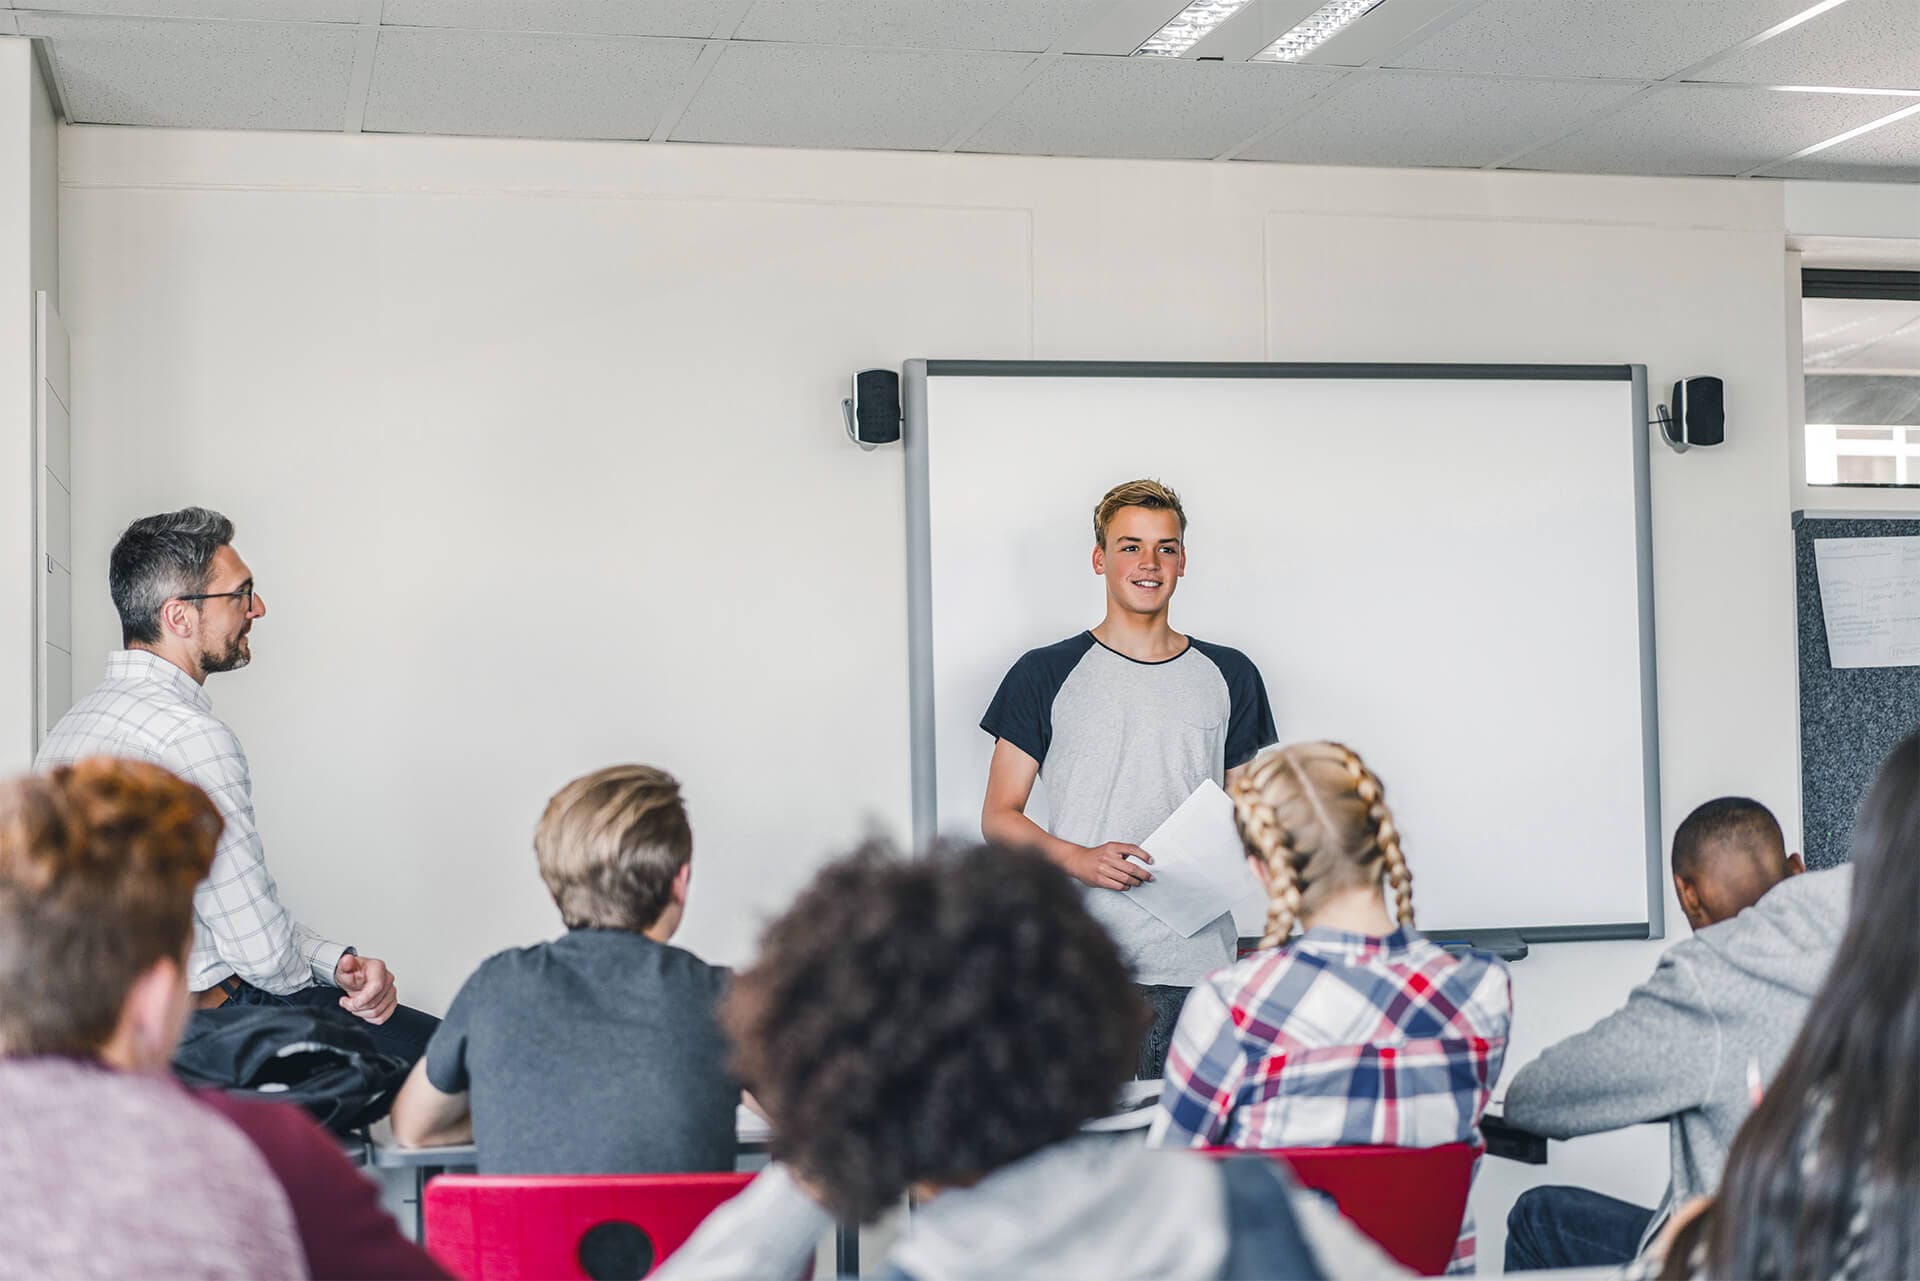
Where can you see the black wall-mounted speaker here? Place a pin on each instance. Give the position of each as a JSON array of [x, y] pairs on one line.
[[873, 411], [1697, 415]]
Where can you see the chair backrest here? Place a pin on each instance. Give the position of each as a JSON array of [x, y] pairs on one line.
[[554, 1227], [1411, 1201]]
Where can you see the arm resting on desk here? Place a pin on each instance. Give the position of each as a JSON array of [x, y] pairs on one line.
[[423, 1117], [770, 1230], [1656, 1056]]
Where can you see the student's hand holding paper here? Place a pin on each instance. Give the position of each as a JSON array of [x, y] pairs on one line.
[[1110, 866], [1203, 867]]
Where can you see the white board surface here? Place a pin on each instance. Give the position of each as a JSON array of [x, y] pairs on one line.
[[1442, 573]]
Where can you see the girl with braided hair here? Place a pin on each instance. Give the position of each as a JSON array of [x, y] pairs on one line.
[[1356, 1031]]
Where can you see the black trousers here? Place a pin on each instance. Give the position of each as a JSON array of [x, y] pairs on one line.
[[405, 1033]]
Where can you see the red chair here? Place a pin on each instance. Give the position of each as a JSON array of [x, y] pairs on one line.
[[559, 1227], [1411, 1201]]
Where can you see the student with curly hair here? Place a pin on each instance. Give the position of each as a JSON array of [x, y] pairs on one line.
[[1823, 1179], [108, 1167], [945, 1026], [1359, 1031]]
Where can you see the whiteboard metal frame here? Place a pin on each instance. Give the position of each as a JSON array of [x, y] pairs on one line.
[[914, 376]]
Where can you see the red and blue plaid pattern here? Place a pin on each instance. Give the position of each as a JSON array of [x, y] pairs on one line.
[[1339, 1040]]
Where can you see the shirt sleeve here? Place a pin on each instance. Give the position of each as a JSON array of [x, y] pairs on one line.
[[1022, 708], [238, 902], [447, 1052], [1250, 722], [1655, 1056], [1205, 1066], [342, 1228]]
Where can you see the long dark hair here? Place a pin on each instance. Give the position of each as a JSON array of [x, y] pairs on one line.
[[1839, 1129]]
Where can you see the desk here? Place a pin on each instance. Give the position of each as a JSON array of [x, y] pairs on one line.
[[1512, 1142]]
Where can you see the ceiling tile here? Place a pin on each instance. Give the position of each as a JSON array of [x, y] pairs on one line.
[[506, 85], [1863, 44], [199, 75], [1887, 154], [1410, 119], [1029, 25], [1685, 129], [781, 95], [694, 18], [1146, 107], [1629, 39], [256, 10]]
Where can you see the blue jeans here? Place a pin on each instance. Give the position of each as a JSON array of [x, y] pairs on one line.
[[404, 1035], [1558, 1227], [1166, 1003]]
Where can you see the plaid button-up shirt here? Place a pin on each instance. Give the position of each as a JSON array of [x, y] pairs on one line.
[[150, 710], [1339, 1040]]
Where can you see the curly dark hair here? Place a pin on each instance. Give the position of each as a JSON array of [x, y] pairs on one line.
[[931, 1020]]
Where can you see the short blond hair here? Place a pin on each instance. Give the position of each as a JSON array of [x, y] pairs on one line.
[[610, 845], [1150, 494]]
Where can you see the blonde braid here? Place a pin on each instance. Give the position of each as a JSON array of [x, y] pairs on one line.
[[1386, 835], [1261, 834]]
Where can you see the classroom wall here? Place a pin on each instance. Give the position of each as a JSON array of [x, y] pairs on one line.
[[29, 261], [536, 451]]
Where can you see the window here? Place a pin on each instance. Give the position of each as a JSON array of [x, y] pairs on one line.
[[1862, 366]]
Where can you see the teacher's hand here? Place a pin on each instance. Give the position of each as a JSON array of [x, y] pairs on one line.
[[1110, 866]]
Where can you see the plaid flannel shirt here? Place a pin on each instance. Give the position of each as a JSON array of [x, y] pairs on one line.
[[150, 710], [1339, 1040]]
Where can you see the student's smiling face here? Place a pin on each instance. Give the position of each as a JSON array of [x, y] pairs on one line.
[[1143, 560]]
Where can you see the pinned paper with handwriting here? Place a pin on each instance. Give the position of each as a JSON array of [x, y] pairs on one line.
[[1870, 597]]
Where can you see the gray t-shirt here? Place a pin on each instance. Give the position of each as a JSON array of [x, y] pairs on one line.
[[1121, 744], [597, 1053]]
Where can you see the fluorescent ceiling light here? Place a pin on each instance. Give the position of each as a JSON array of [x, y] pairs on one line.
[[1315, 30], [1186, 27]]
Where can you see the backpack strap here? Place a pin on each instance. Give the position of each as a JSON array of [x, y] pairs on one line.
[[1263, 1238]]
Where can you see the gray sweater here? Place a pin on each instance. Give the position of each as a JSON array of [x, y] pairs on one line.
[[1722, 1005]]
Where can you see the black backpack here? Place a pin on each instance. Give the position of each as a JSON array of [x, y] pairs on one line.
[[321, 1059]]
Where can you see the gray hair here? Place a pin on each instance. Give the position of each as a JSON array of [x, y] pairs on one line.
[[159, 558]]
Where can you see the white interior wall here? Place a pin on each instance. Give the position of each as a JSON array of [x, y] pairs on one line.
[[535, 448], [29, 261]]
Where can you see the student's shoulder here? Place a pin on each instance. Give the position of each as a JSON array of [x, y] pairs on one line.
[[1231, 662], [1056, 659]]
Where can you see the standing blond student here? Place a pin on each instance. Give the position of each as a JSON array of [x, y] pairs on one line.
[[1122, 722]]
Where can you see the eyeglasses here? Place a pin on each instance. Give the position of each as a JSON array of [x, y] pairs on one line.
[[244, 594]]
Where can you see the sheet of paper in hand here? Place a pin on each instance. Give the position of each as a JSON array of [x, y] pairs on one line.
[[1199, 868]]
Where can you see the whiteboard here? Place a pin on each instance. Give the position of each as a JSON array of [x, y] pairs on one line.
[[1448, 568]]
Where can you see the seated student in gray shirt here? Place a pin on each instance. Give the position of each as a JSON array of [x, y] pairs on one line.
[[1121, 723], [597, 1053]]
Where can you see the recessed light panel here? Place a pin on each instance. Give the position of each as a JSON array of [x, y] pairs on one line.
[[1318, 27], [1187, 27]]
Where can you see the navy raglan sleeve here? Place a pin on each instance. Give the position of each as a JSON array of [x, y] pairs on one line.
[[1250, 718], [1022, 709]]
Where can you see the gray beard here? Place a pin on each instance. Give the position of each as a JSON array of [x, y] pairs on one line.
[[231, 659]]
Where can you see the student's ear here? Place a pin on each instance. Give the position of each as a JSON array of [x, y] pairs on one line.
[[1100, 560], [1690, 903], [1795, 865], [681, 880], [154, 1013], [1259, 869]]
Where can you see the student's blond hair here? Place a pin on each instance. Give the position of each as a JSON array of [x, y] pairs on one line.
[[1316, 817], [1150, 494], [610, 845]]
